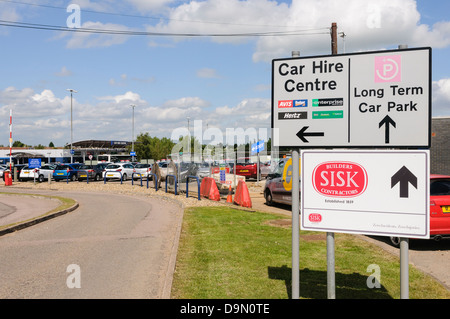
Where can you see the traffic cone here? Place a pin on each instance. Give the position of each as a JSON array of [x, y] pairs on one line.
[[229, 197]]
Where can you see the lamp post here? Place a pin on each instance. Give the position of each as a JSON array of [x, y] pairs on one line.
[[132, 139], [71, 124]]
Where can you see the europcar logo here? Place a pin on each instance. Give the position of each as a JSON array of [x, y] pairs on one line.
[[300, 103], [340, 179]]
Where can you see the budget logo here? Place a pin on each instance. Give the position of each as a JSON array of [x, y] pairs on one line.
[[300, 103], [285, 104], [340, 179], [388, 68]]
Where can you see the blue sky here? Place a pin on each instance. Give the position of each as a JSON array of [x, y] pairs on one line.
[[223, 81]]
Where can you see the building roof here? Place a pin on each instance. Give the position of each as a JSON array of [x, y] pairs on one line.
[[102, 144]]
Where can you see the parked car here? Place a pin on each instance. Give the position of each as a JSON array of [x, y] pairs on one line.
[[143, 169], [278, 187], [64, 171], [93, 172], [246, 167], [17, 167], [439, 208], [112, 171], [39, 174]]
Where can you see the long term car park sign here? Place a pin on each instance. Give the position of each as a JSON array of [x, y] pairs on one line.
[[370, 99], [383, 193]]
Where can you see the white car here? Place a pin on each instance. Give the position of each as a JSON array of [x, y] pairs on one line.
[[143, 169], [116, 170], [39, 174]]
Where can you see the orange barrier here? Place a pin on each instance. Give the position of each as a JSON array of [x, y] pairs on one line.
[[208, 189], [229, 197], [242, 196]]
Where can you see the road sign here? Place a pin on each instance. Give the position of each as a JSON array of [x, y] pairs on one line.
[[34, 163], [258, 147], [370, 99], [382, 193], [132, 153]]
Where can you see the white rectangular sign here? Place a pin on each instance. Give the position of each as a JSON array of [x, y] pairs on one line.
[[382, 193], [369, 99]]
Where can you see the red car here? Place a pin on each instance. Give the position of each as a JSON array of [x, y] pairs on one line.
[[439, 208]]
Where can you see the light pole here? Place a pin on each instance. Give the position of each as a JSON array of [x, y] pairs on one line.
[[132, 139], [71, 124]]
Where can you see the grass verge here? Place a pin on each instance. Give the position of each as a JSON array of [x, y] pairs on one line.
[[227, 253]]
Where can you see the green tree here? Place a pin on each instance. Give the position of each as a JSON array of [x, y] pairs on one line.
[[18, 144], [51, 144], [152, 147]]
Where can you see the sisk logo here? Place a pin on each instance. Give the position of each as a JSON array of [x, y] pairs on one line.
[[340, 179], [388, 68]]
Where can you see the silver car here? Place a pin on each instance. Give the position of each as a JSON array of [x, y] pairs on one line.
[[278, 187]]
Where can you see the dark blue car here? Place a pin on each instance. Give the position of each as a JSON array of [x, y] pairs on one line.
[[64, 171]]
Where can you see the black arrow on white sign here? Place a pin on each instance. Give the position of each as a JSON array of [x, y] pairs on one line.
[[404, 177], [302, 133], [386, 121]]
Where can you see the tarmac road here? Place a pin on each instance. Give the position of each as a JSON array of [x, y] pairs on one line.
[[124, 247]]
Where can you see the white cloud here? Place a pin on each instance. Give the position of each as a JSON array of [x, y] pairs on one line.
[[93, 40], [368, 25], [64, 72], [441, 97], [207, 73]]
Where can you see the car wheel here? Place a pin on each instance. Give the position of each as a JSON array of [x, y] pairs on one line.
[[268, 197], [73, 178], [395, 241], [124, 177], [97, 177], [41, 178]]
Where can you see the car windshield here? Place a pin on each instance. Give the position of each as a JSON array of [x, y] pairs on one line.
[[440, 187], [62, 167], [142, 165], [85, 167], [112, 166]]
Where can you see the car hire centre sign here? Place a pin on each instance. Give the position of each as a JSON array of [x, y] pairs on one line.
[[371, 99], [384, 193]]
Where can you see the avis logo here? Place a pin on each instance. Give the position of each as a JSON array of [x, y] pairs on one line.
[[285, 104], [340, 179], [388, 68]]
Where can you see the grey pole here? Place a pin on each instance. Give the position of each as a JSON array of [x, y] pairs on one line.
[[295, 218], [132, 139], [404, 251], [404, 268], [331, 282], [71, 125]]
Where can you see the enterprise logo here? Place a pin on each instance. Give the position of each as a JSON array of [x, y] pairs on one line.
[[292, 103]]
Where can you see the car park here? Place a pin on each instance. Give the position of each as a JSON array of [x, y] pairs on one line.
[[118, 170], [90, 172], [439, 208], [65, 171], [278, 186], [143, 169]]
